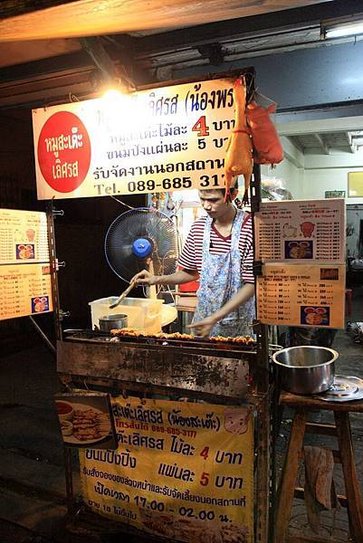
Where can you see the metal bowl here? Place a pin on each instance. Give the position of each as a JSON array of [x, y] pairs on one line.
[[109, 322], [305, 369]]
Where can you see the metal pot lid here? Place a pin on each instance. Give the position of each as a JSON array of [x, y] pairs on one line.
[[343, 389]]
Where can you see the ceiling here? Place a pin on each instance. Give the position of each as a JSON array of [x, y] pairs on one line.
[[51, 50], [328, 143], [29, 20]]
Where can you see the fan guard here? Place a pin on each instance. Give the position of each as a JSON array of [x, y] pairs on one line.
[[139, 238]]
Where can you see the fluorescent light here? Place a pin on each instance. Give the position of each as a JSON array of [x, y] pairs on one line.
[[341, 30]]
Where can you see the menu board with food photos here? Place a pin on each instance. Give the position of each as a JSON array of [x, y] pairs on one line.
[[301, 246], [302, 231], [301, 295], [24, 264]]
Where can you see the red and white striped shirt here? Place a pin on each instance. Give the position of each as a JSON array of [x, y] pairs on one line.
[[191, 256]]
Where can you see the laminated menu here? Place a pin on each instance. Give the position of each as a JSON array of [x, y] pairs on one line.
[[301, 231], [301, 247], [24, 264], [301, 295]]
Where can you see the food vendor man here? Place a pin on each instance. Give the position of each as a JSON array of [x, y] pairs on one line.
[[218, 251]]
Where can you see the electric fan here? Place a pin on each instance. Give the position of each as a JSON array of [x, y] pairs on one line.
[[141, 238]]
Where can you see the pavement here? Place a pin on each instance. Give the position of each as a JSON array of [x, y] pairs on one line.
[[33, 506]]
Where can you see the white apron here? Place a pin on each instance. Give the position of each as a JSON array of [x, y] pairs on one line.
[[220, 279]]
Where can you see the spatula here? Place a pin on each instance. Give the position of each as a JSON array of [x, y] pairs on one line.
[[123, 295]]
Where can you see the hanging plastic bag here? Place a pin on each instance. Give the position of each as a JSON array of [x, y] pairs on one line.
[[355, 331]]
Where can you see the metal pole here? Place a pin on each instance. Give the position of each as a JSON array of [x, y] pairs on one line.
[[51, 212], [43, 335]]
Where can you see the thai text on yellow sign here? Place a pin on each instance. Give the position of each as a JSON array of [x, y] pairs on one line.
[[182, 470]]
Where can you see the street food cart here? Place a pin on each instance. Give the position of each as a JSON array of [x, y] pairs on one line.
[[189, 441], [175, 433]]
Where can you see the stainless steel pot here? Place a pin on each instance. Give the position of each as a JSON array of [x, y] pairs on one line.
[[306, 369], [108, 322]]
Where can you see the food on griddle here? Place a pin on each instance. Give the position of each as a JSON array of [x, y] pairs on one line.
[[243, 340], [128, 332]]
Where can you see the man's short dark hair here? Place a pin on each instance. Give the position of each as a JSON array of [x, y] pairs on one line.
[[222, 190]]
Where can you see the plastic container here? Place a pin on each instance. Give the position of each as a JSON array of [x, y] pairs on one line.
[[144, 314]]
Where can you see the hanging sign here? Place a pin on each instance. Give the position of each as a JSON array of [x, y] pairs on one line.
[[182, 470], [301, 245], [301, 295], [24, 264], [301, 231], [23, 237], [157, 140]]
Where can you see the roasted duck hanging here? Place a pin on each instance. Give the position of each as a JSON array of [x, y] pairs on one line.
[[238, 159]]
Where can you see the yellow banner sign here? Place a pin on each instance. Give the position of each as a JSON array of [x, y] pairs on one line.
[[182, 470]]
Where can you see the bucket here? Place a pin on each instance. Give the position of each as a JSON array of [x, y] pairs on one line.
[[305, 369]]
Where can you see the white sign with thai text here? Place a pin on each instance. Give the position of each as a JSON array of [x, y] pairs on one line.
[[156, 140]]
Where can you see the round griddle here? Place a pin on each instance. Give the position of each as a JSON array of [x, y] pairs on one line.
[[344, 389]]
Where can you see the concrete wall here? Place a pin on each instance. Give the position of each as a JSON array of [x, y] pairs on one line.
[[319, 180], [314, 174]]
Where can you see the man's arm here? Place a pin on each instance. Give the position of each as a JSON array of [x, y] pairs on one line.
[[204, 326], [178, 278], [242, 295]]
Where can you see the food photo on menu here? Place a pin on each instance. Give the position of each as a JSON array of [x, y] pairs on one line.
[[298, 249], [40, 304], [86, 420], [315, 316], [25, 251]]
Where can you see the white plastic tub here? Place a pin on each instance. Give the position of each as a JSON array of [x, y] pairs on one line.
[[143, 313]]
